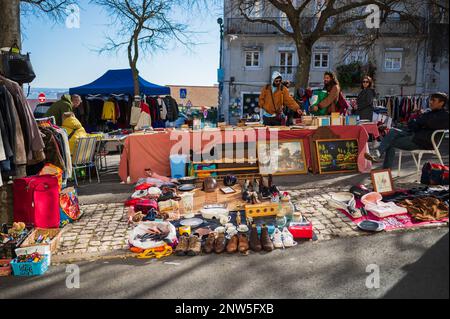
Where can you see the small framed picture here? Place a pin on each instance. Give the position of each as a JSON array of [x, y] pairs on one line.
[[228, 190], [382, 182]]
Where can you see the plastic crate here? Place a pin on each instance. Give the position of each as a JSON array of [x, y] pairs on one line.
[[29, 269]]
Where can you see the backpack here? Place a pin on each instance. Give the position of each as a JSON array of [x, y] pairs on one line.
[[17, 67], [435, 174]]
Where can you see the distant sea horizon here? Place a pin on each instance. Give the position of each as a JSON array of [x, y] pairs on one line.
[[50, 93]]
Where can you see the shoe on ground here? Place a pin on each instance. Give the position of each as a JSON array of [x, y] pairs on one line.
[[288, 238], [220, 244], [277, 239], [195, 246], [233, 243], [255, 242], [265, 239], [209, 244], [374, 158], [243, 246], [183, 246]]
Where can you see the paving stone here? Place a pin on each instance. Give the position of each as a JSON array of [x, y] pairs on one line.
[[95, 243]]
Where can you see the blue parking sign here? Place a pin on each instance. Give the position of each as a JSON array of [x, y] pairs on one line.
[[183, 93]]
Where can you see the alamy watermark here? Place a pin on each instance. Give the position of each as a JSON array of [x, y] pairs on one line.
[[73, 279], [373, 280], [73, 20], [373, 19]]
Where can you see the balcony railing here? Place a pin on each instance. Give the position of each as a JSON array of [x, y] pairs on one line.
[[236, 26], [288, 72]]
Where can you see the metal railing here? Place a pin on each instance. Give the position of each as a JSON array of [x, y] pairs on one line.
[[235, 26], [288, 72]]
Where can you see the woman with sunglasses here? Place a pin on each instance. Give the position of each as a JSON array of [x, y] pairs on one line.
[[364, 103]]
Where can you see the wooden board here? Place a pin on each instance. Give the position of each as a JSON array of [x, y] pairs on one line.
[[234, 201]]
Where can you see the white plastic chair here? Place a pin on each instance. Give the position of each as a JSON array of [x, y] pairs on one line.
[[420, 153]]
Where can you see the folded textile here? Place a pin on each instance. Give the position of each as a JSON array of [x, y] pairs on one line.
[[382, 209], [426, 209]]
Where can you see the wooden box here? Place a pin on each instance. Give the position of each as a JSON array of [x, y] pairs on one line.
[[262, 210], [55, 234]]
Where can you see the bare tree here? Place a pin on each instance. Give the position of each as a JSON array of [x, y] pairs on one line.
[[11, 11], [309, 21], [145, 26]]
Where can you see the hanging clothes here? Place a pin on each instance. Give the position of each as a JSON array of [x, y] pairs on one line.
[[34, 144], [145, 119], [109, 111]]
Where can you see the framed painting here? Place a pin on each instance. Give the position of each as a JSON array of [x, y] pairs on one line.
[[337, 156], [382, 182], [285, 158]]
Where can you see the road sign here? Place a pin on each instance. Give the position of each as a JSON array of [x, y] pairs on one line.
[[42, 98], [183, 93]]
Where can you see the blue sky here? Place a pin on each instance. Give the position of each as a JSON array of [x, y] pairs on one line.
[[64, 58]]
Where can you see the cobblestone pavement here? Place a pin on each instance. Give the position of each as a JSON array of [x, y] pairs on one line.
[[103, 229]]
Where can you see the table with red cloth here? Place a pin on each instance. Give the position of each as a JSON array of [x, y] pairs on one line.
[[153, 150]]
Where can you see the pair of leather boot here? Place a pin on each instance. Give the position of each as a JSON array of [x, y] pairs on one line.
[[238, 243], [190, 246], [213, 244], [264, 243]]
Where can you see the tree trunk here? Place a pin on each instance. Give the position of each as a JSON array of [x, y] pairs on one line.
[[10, 23], [304, 55], [137, 89]]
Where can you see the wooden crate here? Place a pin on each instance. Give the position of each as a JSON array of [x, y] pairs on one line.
[[54, 233]]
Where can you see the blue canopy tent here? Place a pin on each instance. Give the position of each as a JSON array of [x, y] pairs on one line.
[[119, 82]]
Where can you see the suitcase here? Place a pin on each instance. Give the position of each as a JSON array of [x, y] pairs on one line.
[[36, 201]]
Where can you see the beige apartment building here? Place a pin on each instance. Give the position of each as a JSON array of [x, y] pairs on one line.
[[409, 59]]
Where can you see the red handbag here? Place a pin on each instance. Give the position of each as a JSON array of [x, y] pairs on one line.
[[36, 201]]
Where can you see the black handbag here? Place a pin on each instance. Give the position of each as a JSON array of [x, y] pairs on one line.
[[17, 67]]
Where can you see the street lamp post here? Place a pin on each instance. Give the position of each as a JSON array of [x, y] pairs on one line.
[[220, 73]]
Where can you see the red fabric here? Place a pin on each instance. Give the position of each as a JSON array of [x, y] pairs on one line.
[[132, 202], [36, 201], [144, 187], [144, 151]]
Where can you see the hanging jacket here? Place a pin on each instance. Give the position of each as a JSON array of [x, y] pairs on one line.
[[32, 138], [163, 109], [52, 151], [74, 130], [172, 109], [109, 111], [7, 123], [145, 119]]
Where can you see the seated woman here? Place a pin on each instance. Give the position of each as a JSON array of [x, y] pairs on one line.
[[74, 130]]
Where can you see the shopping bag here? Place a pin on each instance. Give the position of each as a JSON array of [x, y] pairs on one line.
[[69, 206], [36, 201], [435, 174]]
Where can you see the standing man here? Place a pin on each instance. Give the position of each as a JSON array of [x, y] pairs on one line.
[[66, 104], [419, 133], [330, 103], [272, 100]]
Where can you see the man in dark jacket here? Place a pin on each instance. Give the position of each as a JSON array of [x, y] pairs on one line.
[[419, 133]]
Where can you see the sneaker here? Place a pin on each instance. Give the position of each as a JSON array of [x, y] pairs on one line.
[[288, 239], [277, 239]]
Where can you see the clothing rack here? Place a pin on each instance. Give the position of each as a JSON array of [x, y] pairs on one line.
[[47, 119]]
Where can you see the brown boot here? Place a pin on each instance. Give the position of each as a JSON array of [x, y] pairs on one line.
[[255, 243], [265, 239], [232, 246], [183, 246], [209, 245], [220, 244], [195, 246], [243, 243]]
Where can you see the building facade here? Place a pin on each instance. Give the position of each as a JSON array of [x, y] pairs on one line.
[[409, 59]]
